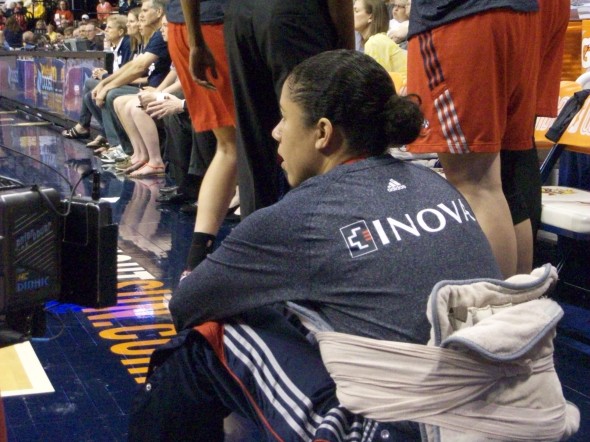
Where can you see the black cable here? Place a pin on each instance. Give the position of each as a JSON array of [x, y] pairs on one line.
[[55, 316], [38, 161], [35, 188]]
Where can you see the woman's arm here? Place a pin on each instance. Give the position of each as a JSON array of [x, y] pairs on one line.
[[262, 262]]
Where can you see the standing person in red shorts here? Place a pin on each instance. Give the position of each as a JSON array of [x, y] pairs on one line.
[[480, 95], [265, 40], [210, 108]]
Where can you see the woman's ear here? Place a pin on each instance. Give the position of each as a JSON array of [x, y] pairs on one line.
[[329, 137]]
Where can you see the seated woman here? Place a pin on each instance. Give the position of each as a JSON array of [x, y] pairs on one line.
[[370, 21], [362, 239], [398, 25], [141, 129]]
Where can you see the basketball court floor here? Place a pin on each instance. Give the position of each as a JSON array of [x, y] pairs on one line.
[[76, 382]]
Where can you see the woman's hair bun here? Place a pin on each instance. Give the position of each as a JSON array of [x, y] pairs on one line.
[[403, 120]]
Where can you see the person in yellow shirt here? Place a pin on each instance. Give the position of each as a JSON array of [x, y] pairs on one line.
[[371, 22]]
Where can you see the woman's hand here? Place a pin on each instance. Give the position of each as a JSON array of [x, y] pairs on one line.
[[200, 61]]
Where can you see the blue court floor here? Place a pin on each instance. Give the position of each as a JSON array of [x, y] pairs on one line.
[[96, 359]]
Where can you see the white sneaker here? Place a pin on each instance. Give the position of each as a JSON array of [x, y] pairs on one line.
[[113, 155]]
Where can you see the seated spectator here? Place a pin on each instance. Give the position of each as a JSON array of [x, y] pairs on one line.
[[120, 45], [84, 19], [141, 129], [94, 36], [398, 25], [41, 42], [370, 21], [13, 34], [67, 33], [22, 16], [29, 41], [103, 11], [40, 27], [63, 17], [342, 243]]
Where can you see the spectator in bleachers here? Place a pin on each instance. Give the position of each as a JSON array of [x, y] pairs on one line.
[[84, 20], [68, 32], [91, 33], [398, 25], [371, 22], [22, 16], [29, 41], [13, 34], [63, 16], [103, 11], [40, 27]]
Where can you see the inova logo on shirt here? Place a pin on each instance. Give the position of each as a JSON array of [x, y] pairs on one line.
[[360, 240]]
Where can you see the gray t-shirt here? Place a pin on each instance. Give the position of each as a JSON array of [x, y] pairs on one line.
[[363, 245]]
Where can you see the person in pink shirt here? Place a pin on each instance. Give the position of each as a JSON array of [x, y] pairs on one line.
[[103, 10]]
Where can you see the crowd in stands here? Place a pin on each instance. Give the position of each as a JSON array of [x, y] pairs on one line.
[[51, 23]]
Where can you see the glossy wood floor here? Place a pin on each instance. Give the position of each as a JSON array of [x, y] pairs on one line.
[[96, 359]]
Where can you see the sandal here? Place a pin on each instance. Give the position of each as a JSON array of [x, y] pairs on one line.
[[73, 134], [141, 173], [133, 167]]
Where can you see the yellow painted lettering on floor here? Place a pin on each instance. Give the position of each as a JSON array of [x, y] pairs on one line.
[[126, 333]]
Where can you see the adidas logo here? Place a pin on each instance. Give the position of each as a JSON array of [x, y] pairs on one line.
[[394, 186]]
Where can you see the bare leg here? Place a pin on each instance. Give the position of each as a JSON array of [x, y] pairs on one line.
[[124, 105], [477, 177], [219, 183], [149, 139]]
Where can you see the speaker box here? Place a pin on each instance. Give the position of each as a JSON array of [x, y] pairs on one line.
[[89, 255]]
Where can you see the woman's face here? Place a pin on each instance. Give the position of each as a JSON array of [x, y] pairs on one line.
[[132, 25], [301, 159], [399, 10], [362, 19]]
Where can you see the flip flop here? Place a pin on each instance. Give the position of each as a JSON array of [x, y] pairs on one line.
[[157, 171], [73, 134]]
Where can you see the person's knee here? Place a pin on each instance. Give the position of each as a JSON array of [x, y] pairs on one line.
[[474, 172]]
